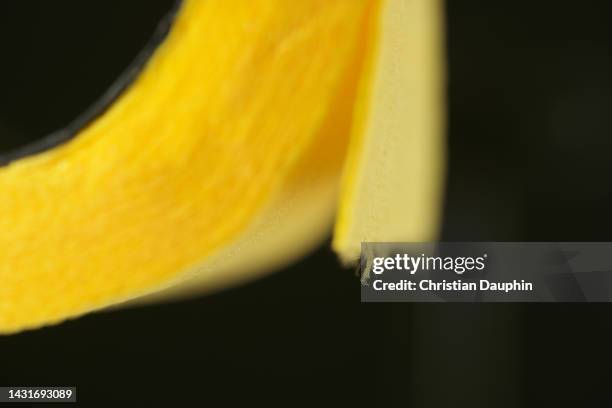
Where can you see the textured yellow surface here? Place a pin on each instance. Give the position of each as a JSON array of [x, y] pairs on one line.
[[221, 161], [392, 186]]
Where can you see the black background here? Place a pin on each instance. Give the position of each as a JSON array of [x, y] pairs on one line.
[[530, 93]]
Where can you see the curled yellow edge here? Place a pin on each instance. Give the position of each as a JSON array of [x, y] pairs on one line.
[[395, 169], [248, 186], [391, 188]]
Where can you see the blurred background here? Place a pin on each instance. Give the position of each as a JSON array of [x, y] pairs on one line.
[[530, 100]]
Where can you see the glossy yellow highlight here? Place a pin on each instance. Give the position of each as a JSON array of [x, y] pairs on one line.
[[221, 161]]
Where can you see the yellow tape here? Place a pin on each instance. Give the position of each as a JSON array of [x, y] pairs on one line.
[[223, 159]]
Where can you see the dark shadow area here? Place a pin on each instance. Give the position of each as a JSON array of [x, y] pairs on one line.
[[530, 160]]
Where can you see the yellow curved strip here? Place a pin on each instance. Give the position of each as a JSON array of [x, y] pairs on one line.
[[183, 163], [224, 159]]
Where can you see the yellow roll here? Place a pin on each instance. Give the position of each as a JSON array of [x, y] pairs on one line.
[[224, 157]]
